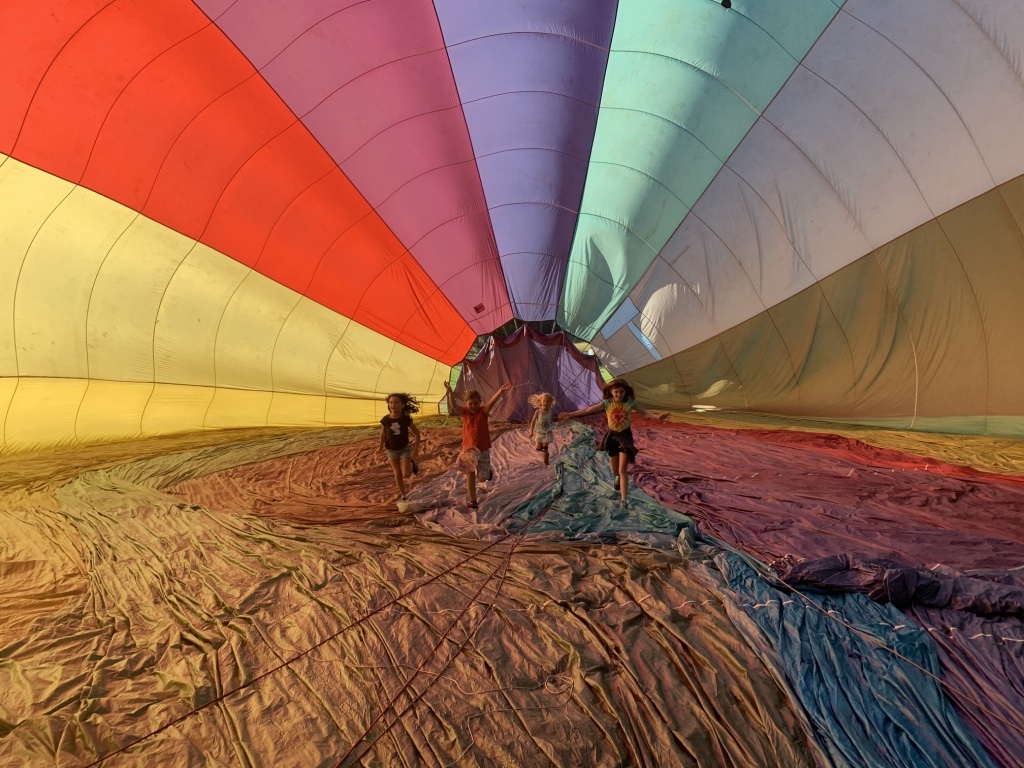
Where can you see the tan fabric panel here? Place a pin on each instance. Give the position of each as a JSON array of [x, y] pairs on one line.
[[923, 333], [986, 235]]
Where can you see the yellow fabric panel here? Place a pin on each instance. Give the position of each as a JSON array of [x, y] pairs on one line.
[[42, 413], [7, 389], [238, 408], [173, 408], [305, 346], [352, 412], [365, 359], [127, 298], [26, 198], [189, 316], [45, 413], [248, 331], [51, 309], [112, 409], [287, 409]]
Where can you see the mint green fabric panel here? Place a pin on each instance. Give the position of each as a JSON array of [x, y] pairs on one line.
[[686, 80]]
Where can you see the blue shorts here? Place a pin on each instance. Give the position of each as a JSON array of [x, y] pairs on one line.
[[401, 453]]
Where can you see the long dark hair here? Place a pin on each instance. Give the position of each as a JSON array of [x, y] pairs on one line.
[[606, 390], [410, 404]]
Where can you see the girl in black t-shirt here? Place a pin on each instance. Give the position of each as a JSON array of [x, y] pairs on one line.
[[395, 430]]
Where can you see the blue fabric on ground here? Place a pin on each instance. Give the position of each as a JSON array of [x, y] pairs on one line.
[[583, 503], [867, 706]]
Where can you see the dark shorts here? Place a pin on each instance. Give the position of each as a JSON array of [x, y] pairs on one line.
[[619, 442]]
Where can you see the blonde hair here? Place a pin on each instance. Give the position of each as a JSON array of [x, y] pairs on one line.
[[538, 400]]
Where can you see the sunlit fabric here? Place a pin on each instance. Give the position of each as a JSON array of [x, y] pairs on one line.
[[229, 229]]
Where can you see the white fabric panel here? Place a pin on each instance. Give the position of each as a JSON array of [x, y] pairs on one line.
[[899, 113], [878, 79], [859, 175], [623, 352], [973, 51]]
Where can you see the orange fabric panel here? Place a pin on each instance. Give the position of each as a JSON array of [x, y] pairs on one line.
[[151, 105]]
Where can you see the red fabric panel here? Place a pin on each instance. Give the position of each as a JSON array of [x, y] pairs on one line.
[[779, 493], [152, 106]]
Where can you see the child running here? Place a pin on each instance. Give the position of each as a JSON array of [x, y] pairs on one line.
[[394, 437], [475, 457], [542, 423], [619, 405]]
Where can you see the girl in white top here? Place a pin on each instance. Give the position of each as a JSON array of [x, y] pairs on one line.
[[543, 422]]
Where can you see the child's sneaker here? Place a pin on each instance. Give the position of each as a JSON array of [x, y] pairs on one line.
[[415, 467], [472, 505], [618, 483]]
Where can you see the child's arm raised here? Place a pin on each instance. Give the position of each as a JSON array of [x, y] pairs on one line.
[[597, 408], [496, 396], [453, 408]]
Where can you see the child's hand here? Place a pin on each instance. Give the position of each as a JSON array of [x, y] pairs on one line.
[[562, 417], [506, 386]]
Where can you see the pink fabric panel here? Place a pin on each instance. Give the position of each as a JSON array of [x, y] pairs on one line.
[[372, 81]]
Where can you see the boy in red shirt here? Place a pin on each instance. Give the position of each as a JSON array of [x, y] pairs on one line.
[[475, 457]]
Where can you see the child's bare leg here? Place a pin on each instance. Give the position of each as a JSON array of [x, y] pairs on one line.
[[471, 484], [544, 448], [624, 474], [406, 466], [396, 467]]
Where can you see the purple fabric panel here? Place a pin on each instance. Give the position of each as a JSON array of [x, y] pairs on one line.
[[533, 176], [587, 20], [535, 280], [530, 76], [533, 363], [809, 495], [982, 662], [533, 224], [372, 81], [546, 179]]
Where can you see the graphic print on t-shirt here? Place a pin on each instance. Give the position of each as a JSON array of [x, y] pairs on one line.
[[618, 414]]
